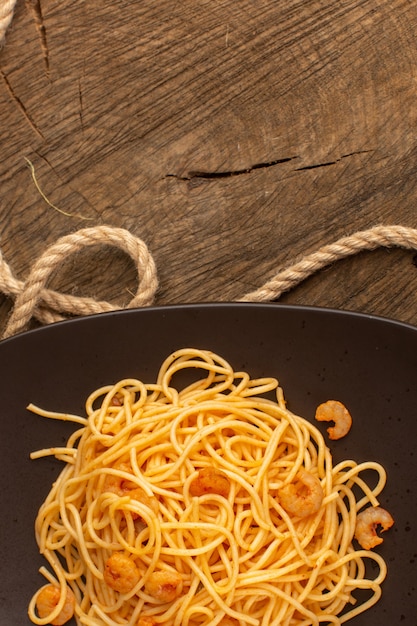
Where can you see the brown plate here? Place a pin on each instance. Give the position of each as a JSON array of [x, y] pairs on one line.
[[367, 362]]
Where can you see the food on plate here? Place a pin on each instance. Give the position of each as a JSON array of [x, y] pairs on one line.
[[199, 499], [335, 411], [367, 522], [49, 600]]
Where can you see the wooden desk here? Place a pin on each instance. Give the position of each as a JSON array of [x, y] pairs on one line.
[[232, 137]]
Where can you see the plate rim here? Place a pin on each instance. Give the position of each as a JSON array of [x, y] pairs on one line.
[[165, 308]]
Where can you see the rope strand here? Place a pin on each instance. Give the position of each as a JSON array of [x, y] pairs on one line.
[[33, 299], [376, 237], [6, 15]]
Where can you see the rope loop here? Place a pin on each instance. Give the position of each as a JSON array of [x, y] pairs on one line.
[[33, 299]]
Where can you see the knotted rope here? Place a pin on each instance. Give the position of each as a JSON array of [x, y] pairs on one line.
[[6, 15], [33, 299]]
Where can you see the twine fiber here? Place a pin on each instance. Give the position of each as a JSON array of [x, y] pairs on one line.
[[6, 15], [33, 299]]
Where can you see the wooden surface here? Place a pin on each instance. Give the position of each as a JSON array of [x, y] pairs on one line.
[[232, 137]]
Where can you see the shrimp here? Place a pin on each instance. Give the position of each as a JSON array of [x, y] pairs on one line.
[[303, 497], [123, 487], [335, 411], [121, 572], [117, 400], [210, 480], [119, 484], [141, 496], [163, 585], [47, 600], [146, 620], [366, 523]]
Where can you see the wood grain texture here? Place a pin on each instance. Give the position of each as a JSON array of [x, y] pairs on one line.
[[232, 137]]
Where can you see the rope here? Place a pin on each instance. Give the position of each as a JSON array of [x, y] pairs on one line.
[[6, 15], [376, 237], [33, 299]]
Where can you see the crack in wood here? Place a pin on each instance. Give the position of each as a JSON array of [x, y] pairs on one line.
[[36, 8], [229, 173], [315, 165], [197, 174], [18, 102], [81, 107], [327, 163]]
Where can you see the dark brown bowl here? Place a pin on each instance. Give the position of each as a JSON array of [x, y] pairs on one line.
[[368, 363]]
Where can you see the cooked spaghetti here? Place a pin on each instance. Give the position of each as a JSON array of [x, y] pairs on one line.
[[211, 504]]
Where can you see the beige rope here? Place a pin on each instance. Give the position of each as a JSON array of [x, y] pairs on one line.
[[376, 237], [6, 15], [33, 299]]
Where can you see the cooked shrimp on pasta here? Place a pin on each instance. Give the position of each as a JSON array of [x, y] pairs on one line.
[[206, 504]]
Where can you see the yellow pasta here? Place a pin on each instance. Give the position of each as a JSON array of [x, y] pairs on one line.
[[210, 504]]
